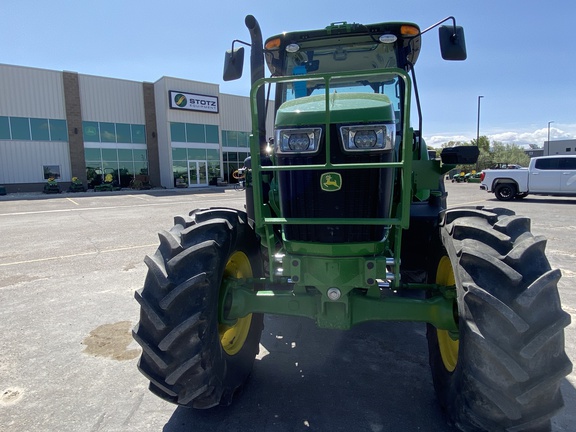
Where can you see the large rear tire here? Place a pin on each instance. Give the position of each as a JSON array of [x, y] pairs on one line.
[[189, 357], [503, 371]]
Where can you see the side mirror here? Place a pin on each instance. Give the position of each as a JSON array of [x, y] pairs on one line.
[[461, 155], [233, 64], [452, 43]]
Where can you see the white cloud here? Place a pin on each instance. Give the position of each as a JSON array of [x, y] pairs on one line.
[[538, 136], [438, 140]]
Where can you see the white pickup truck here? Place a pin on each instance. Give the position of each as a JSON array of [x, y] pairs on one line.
[[546, 175]]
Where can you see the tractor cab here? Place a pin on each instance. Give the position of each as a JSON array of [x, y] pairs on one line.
[[342, 47]]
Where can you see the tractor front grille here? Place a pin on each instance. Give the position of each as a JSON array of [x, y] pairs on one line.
[[365, 193]]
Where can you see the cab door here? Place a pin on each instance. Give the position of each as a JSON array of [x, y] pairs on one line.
[[568, 175], [545, 176]]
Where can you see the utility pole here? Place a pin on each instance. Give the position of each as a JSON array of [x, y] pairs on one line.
[[478, 129], [549, 135]]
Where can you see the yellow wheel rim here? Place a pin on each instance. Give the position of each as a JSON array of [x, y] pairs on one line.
[[233, 337], [448, 346]]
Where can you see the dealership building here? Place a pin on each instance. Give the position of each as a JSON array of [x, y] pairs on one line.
[[61, 125]]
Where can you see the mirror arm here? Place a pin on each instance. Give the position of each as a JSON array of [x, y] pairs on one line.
[[440, 22], [239, 41]]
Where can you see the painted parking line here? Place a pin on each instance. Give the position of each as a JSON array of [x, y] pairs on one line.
[[467, 203], [218, 201], [80, 254], [72, 201], [139, 197]]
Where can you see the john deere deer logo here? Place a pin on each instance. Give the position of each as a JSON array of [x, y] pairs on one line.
[[330, 182]]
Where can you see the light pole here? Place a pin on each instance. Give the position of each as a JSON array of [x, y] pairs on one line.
[[549, 135], [478, 123], [478, 130]]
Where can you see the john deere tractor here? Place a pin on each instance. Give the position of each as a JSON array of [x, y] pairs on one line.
[[346, 222]]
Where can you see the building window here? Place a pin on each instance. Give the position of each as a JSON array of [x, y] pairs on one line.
[[180, 173], [4, 128], [113, 132], [212, 134], [236, 149], [37, 129], [232, 139], [51, 171], [179, 154], [92, 154], [196, 154], [107, 132], [109, 155], [140, 156], [138, 134], [194, 133], [20, 127], [123, 134], [40, 129], [122, 163], [243, 139], [58, 130], [235, 139], [91, 131], [213, 157], [177, 132], [568, 149]]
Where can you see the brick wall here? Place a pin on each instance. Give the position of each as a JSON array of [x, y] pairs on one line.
[[74, 120]]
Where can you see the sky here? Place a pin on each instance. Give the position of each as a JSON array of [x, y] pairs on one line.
[[521, 53]]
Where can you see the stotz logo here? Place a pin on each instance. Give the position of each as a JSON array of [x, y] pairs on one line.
[[180, 100], [331, 182]]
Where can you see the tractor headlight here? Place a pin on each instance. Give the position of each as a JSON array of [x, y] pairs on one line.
[[298, 140], [368, 137]]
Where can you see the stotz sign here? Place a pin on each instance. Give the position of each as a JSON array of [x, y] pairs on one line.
[[193, 102]]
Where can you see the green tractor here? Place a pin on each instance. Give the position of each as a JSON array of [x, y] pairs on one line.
[[346, 222]]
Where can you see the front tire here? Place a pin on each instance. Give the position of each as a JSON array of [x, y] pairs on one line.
[[190, 358], [503, 371]]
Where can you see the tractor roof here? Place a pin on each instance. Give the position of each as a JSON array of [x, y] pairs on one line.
[[403, 36]]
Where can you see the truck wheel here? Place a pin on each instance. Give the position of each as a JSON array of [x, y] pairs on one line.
[[503, 370], [505, 191], [190, 358]]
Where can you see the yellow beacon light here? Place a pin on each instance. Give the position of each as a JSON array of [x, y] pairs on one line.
[[409, 30], [273, 43]]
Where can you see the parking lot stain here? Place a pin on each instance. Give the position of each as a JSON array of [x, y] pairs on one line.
[[111, 341]]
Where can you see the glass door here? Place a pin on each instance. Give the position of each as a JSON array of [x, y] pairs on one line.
[[197, 173]]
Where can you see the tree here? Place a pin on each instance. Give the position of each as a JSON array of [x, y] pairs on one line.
[[509, 153], [483, 143], [491, 153]]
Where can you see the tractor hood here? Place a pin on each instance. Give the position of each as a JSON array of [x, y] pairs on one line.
[[351, 108]]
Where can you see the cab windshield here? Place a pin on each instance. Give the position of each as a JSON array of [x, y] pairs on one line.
[[342, 55]]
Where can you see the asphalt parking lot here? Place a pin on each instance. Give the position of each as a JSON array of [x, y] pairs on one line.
[[69, 266]]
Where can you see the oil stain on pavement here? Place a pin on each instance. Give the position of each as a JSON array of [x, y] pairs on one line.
[[111, 341]]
